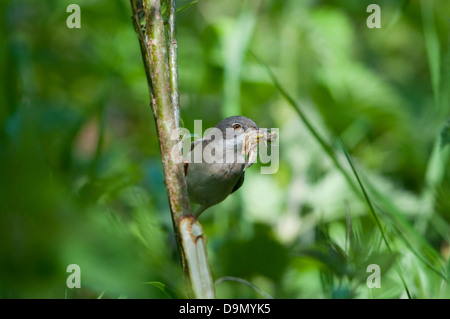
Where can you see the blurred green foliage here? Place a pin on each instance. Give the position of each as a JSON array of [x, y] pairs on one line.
[[81, 180]]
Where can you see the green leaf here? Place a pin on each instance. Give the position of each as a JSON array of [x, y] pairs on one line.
[[186, 6], [170, 294], [179, 9], [445, 134], [245, 283], [101, 295], [432, 45]]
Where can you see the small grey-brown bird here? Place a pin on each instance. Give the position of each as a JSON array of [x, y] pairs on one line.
[[226, 153]]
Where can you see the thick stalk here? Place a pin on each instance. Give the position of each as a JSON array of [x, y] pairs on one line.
[[173, 58], [188, 232]]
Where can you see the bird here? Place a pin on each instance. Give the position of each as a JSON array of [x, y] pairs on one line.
[[226, 152]]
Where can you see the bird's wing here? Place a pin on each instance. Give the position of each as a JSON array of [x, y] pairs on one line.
[[193, 145], [186, 164]]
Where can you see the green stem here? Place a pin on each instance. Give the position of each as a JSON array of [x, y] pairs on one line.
[[173, 58], [163, 92]]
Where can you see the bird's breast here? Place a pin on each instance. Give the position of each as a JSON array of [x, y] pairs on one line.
[[210, 183]]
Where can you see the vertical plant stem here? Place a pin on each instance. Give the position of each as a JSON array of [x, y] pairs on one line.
[[164, 100], [153, 50], [162, 107], [137, 9], [173, 58]]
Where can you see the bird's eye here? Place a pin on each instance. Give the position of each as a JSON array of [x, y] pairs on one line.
[[236, 126]]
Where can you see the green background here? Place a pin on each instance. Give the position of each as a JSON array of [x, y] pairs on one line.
[[81, 179]]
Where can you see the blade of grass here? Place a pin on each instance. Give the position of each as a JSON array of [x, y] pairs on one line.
[[375, 216], [403, 228], [101, 295], [432, 46], [366, 196], [437, 163], [165, 6], [237, 41], [394, 223], [332, 155], [434, 175], [161, 287], [348, 228], [244, 282], [440, 80], [187, 6], [325, 146]]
